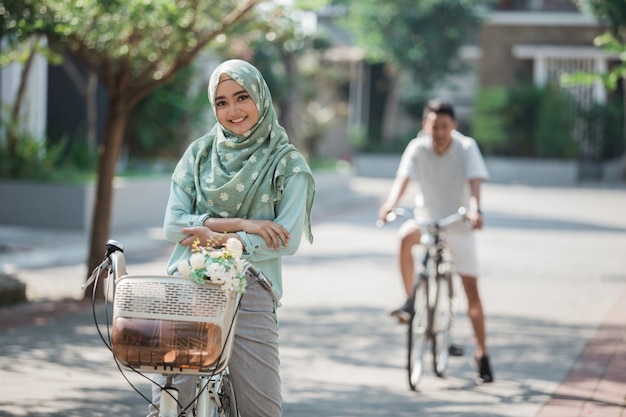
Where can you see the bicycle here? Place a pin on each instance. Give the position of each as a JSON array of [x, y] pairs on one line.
[[169, 325], [431, 318]]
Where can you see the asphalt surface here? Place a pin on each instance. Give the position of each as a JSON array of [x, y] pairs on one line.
[[553, 272]]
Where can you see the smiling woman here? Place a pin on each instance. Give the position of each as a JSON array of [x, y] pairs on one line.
[[244, 181]]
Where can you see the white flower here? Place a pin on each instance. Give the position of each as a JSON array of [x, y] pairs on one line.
[[265, 198], [184, 268], [216, 272], [223, 266], [196, 261], [234, 246], [240, 187], [224, 196]]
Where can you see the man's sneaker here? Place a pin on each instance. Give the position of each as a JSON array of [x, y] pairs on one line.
[[456, 350], [484, 369], [403, 314]]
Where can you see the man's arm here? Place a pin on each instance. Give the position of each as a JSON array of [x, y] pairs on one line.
[[475, 214], [395, 194]]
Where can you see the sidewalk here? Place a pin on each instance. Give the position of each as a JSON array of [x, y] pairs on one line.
[[596, 385]]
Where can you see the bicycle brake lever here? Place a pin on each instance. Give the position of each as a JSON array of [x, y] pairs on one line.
[[96, 272]]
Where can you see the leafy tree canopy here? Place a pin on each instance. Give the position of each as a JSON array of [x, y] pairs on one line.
[[421, 37], [129, 44]]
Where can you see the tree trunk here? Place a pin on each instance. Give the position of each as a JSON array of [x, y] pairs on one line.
[[117, 118], [624, 125], [91, 98]]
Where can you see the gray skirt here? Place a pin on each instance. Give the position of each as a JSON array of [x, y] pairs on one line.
[[254, 363]]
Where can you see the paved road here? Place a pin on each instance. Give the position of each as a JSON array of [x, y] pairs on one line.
[[553, 268]]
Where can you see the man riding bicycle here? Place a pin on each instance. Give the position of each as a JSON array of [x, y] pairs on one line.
[[450, 170]]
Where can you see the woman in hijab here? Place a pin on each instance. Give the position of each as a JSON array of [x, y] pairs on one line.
[[244, 180]]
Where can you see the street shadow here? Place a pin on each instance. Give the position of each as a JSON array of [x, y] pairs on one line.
[[528, 356], [71, 344]]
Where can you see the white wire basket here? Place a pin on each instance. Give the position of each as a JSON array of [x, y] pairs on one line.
[[171, 325]]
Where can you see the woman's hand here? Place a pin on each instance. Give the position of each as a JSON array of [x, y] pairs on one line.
[[206, 236], [273, 233]]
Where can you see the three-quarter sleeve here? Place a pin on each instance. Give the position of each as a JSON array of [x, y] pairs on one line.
[[290, 213], [180, 213]]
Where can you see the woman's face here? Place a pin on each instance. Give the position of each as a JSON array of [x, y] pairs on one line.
[[234, 107]]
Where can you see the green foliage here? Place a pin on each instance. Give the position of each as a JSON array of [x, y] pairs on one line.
[[487, 123], [147, 41], [610, 11], [609, 79], [614, 115], [520, 118], [28, 157], [169, 117], [525, 121], [606, 129], [419, 37], [555, 122], [357, 138]]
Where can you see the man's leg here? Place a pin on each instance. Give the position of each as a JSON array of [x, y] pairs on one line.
[[475, 312], [409, 237], [477, 318]]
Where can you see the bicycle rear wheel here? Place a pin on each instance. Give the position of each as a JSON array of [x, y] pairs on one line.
[[418, 333], [442, 324]]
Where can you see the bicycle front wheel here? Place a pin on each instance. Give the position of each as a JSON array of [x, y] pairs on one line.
[[442, 324], [418, 333], [228, 401]]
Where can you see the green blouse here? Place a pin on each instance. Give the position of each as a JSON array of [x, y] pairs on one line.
[[290, 212]]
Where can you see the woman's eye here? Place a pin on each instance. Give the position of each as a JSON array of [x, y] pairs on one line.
[[243, 97], [220, 103]]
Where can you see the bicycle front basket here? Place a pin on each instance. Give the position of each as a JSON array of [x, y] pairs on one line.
[[169, 324]]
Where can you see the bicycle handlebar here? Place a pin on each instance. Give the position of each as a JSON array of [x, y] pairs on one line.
[[111, 246], [115, 246], [393, 215], [461, 214]]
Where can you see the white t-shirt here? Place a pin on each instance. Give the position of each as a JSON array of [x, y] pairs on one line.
[[444, 179]]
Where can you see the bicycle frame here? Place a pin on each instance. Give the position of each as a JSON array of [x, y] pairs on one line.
[[171, 326], [433, 293]]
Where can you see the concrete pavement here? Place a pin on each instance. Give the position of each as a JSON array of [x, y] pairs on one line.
[[553, 284]]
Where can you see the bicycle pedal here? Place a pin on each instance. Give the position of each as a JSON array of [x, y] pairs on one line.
[[456, 350]]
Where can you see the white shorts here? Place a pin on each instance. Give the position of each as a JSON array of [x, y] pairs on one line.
[[462, 247]]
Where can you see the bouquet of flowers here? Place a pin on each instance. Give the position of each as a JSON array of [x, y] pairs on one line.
[[218, 265]]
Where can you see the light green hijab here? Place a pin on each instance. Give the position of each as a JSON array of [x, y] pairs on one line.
[[233, 175]]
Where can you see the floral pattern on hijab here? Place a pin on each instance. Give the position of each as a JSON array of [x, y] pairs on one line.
[[232, 175]]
